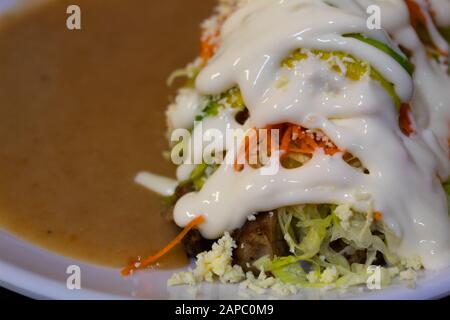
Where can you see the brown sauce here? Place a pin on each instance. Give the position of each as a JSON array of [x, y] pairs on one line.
[[81, 112]]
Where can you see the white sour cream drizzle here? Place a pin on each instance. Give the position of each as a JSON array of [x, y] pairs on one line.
[[431, 102], [359, 116], [441, 9], [158, 184]]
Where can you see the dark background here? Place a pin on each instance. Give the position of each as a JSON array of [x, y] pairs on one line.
[[9, 295]]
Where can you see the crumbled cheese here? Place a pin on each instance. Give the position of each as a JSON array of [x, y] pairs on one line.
[[262, 283], [181, 113], [181, 278], [282, 289], [329, 275], [408, 275], [212, 265], [312, 277], [233, 275], [394, 271], [414, 263], [344, 213], [210, 26], [251, 217], [411, 265], [216, 264]]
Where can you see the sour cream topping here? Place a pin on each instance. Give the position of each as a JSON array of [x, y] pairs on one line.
[[358, 116]]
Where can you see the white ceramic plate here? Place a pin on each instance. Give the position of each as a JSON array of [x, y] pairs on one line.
[[38, 273]]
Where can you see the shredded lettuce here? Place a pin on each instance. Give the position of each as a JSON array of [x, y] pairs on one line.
[[196, 180], [310, 230], [303, 223], [190, 73], [199, 175]]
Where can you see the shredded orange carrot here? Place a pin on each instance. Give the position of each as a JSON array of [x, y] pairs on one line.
[[294, 139], [405, 121], [286, 140], [418, 19], [207, 48], [416, 13], [378, 216], [245, 149], [208, 42], [138, 265]]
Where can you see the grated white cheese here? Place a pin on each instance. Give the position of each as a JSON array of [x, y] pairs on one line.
[[414, 263], [217, 265], [181, 113], [312, 277], [262, 283], [329, 275], [408, 275], [181, 278], [212, 265]]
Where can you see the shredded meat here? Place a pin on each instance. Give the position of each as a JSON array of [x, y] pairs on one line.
[[359, 256], [258, 238]]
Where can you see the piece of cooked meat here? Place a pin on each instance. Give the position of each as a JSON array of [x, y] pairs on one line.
[[194, 243], [258, 238], [242, 116], [359, 256], [254, 240]]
